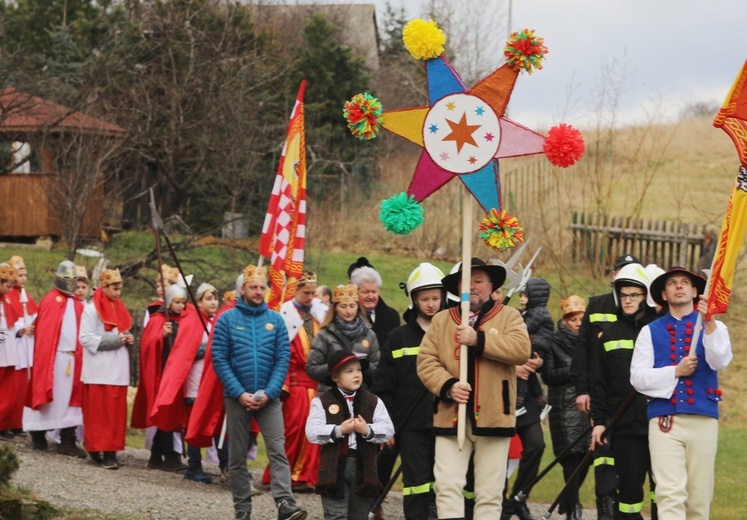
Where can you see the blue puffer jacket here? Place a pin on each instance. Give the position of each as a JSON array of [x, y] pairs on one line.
[[251, 350]]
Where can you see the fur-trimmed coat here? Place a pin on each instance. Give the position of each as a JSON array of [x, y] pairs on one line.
[[502, 344]]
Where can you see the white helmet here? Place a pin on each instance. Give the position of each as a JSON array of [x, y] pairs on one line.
[[652, 271], [425, 276], [451, 296], [634, 274]]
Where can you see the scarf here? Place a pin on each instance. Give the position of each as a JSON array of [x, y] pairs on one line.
[[351, 330], [112, 313]]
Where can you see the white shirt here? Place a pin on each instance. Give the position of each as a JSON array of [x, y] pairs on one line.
[[8, 351], [106, 367], [661, 382], [318, 431]]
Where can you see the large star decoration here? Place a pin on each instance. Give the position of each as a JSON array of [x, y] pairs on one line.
[[463, 132]]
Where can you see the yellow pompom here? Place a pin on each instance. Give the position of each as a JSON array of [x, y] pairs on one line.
[[424, 40]]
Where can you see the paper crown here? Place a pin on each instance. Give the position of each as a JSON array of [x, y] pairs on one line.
[[252, 273], [17, 262], [345, 294], [306, 277], [228, 297], [169, 274], [7, 272], [109, 277], [81, 272], [572, 304]]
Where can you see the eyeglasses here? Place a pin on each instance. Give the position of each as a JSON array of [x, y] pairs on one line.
[[631, 296]]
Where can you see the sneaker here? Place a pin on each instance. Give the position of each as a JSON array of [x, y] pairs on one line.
[[197, 475], [520, 411], [110, 460], [545, 412], [243, 515], [18, 432], [6, 434], [288, 510]]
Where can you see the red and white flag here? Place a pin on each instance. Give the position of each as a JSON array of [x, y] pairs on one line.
[[284, 229]]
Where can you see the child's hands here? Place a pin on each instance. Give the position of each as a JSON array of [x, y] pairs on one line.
[[360, 425], [347, 426]]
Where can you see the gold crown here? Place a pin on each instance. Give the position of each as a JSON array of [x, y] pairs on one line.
[[7, 272], [109, 277], [306, 277], [345, 294], [17, 262], [228, 297], [252, 273], [169, 274], [81, 272], [572, 304]]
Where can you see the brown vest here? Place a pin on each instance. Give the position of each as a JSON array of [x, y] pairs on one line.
[[331, 467]]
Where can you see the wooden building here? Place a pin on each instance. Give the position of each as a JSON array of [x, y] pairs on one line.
[[32, 130]]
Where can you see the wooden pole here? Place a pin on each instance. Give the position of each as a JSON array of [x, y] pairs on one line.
[[466, 280]]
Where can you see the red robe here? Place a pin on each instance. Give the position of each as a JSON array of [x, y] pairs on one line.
[[206, 418], [14, 296], [303, 456], [151, 367], [48, 327], [169, 413], [8, 379]]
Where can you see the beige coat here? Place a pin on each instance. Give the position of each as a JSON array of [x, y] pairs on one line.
[[503, 343]]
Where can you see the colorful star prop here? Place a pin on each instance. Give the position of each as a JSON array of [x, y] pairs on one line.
[[463, 132]]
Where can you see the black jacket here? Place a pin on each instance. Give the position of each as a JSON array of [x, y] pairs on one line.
[[600, 312], [611, 358], [387, 319], [536, 316], [566, 422], [396, 381]]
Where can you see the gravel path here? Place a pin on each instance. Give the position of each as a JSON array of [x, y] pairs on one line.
[[135, 492]]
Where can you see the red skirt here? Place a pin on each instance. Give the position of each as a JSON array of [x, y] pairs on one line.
[[104, 417], [8, 395], [22, 385]]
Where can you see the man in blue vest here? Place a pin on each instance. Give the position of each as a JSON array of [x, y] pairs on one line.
[[683, 394]]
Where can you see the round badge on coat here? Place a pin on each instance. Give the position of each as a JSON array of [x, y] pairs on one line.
[[269, 326], [58, 299], [366, 343], [334, 409], [493, 332]]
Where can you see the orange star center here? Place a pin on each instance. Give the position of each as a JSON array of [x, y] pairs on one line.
[[461, 133]]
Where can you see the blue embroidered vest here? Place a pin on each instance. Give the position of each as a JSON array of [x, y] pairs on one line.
[[697, 394]]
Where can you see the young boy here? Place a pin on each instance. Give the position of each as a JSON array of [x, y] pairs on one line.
[[348, 422]]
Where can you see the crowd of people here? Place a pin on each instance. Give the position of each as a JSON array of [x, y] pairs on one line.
[[339, 389]]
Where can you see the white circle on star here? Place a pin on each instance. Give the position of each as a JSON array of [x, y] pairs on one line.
[[461, 133]]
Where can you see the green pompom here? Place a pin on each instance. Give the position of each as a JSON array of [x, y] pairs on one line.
[[401, 213]]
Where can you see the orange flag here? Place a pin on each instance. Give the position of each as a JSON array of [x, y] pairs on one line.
[[732, 118], [284, 229]]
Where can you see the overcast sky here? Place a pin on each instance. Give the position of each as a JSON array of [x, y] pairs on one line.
[[677, 51]]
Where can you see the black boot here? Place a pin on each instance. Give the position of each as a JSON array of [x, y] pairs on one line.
[[39, 440], [577, 513], [67, 444], [522, 511], [606, 508]]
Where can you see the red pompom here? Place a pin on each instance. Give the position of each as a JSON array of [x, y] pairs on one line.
[[564, 145]]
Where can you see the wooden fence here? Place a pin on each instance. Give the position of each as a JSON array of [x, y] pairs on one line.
[[599, 239]]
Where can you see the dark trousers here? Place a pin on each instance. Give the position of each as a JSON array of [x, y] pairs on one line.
[[570, 463], [417, 473], [605, 477], [632, 463], [162, 447], [534, 446]]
